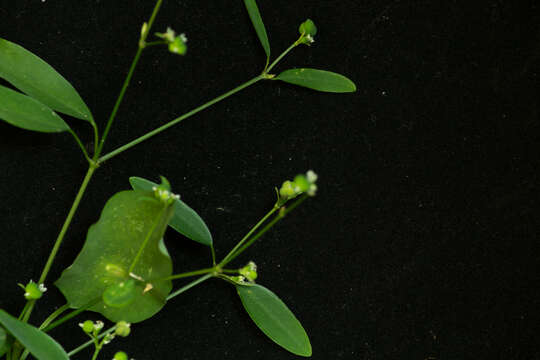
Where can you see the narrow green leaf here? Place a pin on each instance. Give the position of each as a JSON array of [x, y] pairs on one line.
[[320, 80], [27, 113], [129, 219], [41, 345], [4, 343], [274, 318], [184, 220], [255, 16], [36, 78]]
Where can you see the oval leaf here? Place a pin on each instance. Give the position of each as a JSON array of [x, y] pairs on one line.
[[128, 219], [36, 78], [320, 80], [120, 294], [274, 318], [23, 111], [255, 16], [184, 220], [41, 345]]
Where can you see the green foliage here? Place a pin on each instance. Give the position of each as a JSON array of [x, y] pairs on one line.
[[33, 76], [120, 294], [184, 220], [320, 80], [129, 220], [41, 345], [274, 318], [256, 19], [4, 341], [27, 113]]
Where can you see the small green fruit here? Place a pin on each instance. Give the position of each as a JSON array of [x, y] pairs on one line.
[[87, 326], [123, 328], [307, 28], [120, 356]]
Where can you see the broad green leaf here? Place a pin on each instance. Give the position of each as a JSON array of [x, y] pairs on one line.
[[36, 78], [120, 294], [41, 345], [255, 16], [184, 220], [320, 80], [24, 112], [4, 343], [127, 220], [274, 318]]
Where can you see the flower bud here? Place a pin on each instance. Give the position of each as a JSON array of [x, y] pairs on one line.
[[87, 326], [120, 356], [123, 328], [302, 182], [287, 190], [33, 291], [249, 271]]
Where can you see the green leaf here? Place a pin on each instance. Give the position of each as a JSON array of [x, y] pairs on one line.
[[184, 220], [255, 16], [128, 219], [4, 343], [36, 78], [41, 345], [274, 318], [23, 111], [320, 80]]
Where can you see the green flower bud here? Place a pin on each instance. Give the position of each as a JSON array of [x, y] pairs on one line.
[[123, 328], [120, 356], [302, 182], [33, 291], [87, 326], [178, 46], [287, 190], [307, 28], [249, 271]]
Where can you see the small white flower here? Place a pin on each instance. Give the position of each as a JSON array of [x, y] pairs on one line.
[[311, 176], [98, 325], [108, 338], [183, 37], [42, 288], [312, 190], [310, 39]]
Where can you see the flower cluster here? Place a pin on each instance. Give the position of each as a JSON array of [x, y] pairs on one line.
[[307, 31], [33, 291], [177, 43], [301, 184]]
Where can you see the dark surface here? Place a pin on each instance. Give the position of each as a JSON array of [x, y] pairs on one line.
[[423, 240]]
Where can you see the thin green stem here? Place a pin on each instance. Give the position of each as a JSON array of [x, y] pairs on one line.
[[53, 316], [96, 353], [189, 286], [275, 62], [140, 48], [146, 239], [25, 308], [61, 235], [91, 342], [79, 142], [253, 229], [186, 274], [69, 316], [284, 211], [96, 137], [178, 119], [213, 254]]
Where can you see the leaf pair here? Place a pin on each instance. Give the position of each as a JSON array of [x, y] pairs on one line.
[[320, 80], [46, 92], [39, 344]]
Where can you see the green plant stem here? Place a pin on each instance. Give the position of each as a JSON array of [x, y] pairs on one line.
[[281, 56], [146, 239], [213, 254], [71, 315], [61, 235], [188, 274], [241, 242], [79, 142], [189, 286], [90, 342], [53, 316], [178, 119], [26, 305], [134, 63], [268, 226]]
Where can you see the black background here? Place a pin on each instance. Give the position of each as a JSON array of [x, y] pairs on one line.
[[423, 240]]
